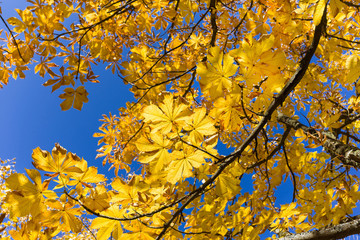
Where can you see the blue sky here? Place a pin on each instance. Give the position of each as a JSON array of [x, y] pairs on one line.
[[30, 115]]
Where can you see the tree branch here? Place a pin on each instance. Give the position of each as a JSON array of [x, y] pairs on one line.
[[214, 27], [289, 87], [347, 154], [13, 38], [339, 231]]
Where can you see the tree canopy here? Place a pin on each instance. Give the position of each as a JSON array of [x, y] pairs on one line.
[[234, 99]]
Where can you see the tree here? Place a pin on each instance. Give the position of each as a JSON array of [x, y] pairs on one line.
[[209, 77], [6, 169]]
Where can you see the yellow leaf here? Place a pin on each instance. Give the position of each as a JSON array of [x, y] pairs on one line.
[[288, 210], [80, 97], [314, 145], [34, 175], [72, 221], [69, 98], [98, 200], [76, 97], [108, 226], [60, 162], [336, 6], [201, 126], [127, 192], [352, 64], [332, 120], [25, 197], [183, 164], [89, 175], [301, 218], [156, 142], [167, 115], [157, 153], [227, 185], [215, 77], [229, 112], [319, 11], [20, 26], [138, 230]]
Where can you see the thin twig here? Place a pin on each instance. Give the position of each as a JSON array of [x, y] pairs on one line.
[[343, 39], [127, 142], [126, 218], [13, 38], [173, 49], [166, 81], [291, 171], [198, 148], [190, 84]]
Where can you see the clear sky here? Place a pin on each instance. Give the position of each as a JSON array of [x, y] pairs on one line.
[[30, 115]]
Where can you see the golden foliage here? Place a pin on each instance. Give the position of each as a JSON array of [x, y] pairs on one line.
[[211, 80]]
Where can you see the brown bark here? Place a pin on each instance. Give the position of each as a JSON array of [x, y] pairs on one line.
[[347, 154], [342, 230]]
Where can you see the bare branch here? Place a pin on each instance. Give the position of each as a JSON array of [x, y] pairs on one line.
[[174, 48], [214, 27], [12, 36], [347, 154], [291, 171], [343, 39], [292, 83], [339, 231]]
